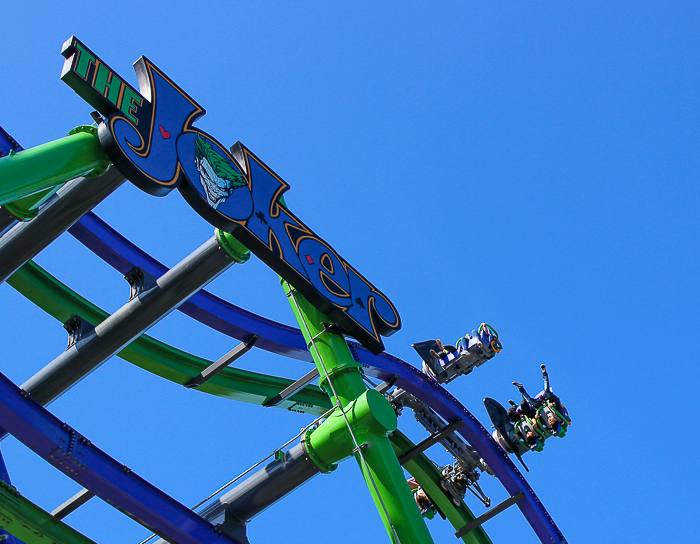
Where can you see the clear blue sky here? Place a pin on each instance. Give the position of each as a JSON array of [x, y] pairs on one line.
[[533, 165]]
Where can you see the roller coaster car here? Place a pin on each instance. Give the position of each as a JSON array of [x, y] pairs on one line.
[[505, 432], [553, 420], [425, 505], [446, 362], [526, 427]]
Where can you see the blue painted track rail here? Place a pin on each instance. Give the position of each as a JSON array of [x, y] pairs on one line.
[[79, 459], [275, 337], [74, 455]]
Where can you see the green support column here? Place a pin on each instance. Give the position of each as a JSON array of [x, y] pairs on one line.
[[51, 164], [367, 413]]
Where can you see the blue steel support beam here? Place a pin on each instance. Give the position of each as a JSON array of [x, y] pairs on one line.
[[75, 456]]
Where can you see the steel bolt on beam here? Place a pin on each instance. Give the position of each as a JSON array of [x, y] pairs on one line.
[[50, 164], [133, 319], [341, 377]]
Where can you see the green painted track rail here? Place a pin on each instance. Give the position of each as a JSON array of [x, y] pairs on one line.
[[428, 477], [165, 361], [180, 367], [32, 525]]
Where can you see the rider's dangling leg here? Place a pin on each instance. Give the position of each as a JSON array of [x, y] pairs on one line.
[[534, 403]]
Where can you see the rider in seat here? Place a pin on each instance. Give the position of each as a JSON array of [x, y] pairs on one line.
[[545, 408], [426, 506], [443, 352]]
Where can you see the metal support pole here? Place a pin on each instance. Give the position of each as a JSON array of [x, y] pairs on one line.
[[50, 164], [292, 389], [135, 317], [341, 377], [490, 513], [25, 240], [217, 366], [431, 440], [72, 504], [263, 489]]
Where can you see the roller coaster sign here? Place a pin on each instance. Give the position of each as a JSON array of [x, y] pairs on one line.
[[149, 137]]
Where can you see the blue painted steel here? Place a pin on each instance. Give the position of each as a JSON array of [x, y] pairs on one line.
[[80, 460], [385, 367], [238, 323], [4, 475], [8, 143]]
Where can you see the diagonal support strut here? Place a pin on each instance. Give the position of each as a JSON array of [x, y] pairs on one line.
[[292, 389], [218, 365], [490, 514], [432, 439]]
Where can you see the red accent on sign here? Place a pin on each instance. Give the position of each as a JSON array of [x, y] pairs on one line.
[[164, 133], [309, 259]]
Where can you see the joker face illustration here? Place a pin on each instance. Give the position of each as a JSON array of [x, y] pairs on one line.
[[216, 174]]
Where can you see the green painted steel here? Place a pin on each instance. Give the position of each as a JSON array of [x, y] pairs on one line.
[[428, 477], [27, 208], [168, 362], [233, 247], [369, 414], [48, 165], [161, 359], [341, 377], [32, 525]]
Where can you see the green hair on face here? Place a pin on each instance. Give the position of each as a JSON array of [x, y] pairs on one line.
[[203, 150]]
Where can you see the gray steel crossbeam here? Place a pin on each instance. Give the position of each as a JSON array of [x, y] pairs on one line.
[[130, 321], [490, 513], [386, 385], [431, 440], [72, 504], [292, 389], [217, 366], [6, 220], [76, 198]]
